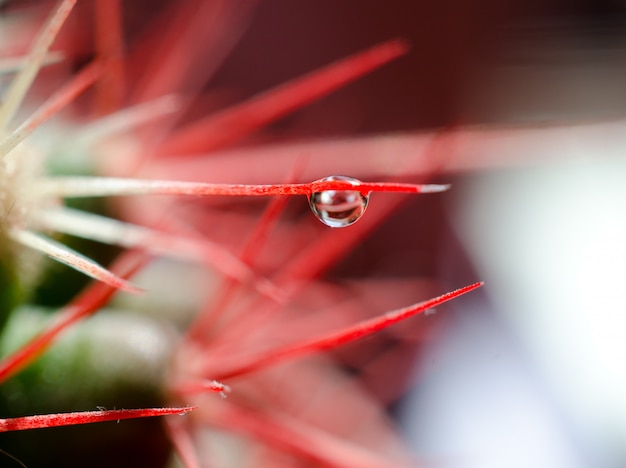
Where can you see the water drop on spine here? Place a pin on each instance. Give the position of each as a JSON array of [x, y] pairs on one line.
[[338, 208]]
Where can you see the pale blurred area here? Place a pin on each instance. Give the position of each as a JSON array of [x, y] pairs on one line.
[[532, 372]]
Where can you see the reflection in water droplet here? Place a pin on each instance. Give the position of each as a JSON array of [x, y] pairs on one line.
[[338, 208]]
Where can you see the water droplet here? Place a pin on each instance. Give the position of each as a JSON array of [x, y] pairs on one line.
[[338, 208]]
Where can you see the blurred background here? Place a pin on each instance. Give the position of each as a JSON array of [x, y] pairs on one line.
[[530, 371]]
